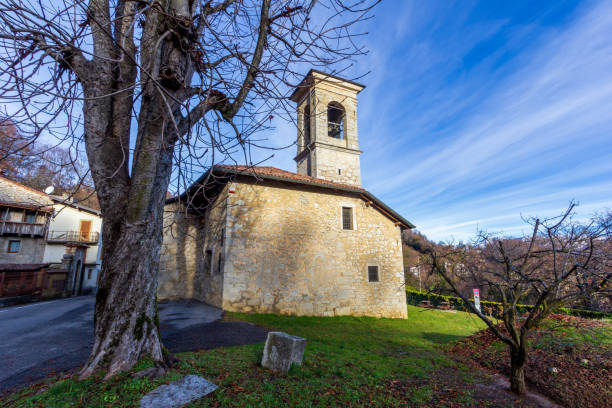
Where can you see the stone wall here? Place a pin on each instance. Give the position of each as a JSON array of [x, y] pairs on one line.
[[287, 253], [338, 166], [189, 262], [30, 252]]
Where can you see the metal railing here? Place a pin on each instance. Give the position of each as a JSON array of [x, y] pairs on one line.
[[73, 236], [21, 228]]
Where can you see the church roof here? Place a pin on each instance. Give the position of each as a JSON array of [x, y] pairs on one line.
[[273, 173], [268, 171]]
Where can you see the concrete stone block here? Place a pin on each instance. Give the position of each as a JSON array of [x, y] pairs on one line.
[[282, 350], [178, 393]]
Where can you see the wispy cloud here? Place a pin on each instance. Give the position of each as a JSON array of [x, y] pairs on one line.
[[475, 116], [519, 130]]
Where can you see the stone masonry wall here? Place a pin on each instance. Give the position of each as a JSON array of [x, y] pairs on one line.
[[30, 252], [189, 263], [338, 166], [287, 253]]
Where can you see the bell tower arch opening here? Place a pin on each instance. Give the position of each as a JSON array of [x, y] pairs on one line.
[[335, 120], [327, 140]]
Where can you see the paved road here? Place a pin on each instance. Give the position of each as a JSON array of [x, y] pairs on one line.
[[56, 336]]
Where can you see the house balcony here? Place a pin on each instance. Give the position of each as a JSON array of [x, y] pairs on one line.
[[67, 237], [21, 228]]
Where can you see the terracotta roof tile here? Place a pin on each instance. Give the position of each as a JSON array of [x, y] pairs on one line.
[[276, 172]]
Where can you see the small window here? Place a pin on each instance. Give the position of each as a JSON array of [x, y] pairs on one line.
[[89, 273], [219, 264], [339, 172], [335, 120], [30, 218], [307, 125], [208, 261], [14, 246], [373, 273], [347, 218]]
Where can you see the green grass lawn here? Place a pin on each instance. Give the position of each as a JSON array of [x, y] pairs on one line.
[[349, 361]]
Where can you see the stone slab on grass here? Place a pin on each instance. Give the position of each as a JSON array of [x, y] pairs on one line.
[[282, 350], [178, 393]]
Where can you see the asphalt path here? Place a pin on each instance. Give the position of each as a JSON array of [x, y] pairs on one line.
[[40, 339]]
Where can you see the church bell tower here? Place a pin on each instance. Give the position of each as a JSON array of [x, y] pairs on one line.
[[327, 143]]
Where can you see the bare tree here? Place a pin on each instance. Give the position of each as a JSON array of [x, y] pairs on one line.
[[559, 263], [155, 91], [16, 152]]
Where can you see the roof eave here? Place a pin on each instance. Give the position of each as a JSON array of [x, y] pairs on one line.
[[225, 171], [303, 85], [60, 200], [404, 222]]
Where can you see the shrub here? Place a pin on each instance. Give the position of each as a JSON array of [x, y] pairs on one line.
[[415, 296]]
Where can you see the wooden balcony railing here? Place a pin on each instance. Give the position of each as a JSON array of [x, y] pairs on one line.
[[73, 236], [21, 228]]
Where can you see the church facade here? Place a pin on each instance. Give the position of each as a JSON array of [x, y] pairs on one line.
[[262, 239]]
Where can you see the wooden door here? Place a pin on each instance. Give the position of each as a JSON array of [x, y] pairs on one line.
[[85, 229]]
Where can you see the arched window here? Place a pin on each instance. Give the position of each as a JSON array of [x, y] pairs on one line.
[[307, 125], [335, 120]]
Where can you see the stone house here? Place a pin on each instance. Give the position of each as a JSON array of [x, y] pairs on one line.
[[43, 232], [262, 239], [25, 214]]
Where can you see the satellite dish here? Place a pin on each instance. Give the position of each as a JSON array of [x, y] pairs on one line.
[[49, 190]]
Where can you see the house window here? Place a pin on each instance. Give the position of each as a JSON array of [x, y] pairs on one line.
[[30, 218], [372, 273], [347, 218], [89, 273], [335, 120], [14, 246]]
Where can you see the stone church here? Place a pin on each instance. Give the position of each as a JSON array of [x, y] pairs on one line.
[[266, 240]]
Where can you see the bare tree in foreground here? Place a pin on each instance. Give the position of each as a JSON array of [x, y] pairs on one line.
[[559, 263], [149, 84]]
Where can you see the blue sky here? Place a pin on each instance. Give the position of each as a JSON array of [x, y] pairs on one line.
[[478, 113]]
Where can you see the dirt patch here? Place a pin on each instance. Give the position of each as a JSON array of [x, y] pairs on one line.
[[499, 386], [567, 361], [446, 388]]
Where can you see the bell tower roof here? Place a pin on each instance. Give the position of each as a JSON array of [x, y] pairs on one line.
[[313, 77]]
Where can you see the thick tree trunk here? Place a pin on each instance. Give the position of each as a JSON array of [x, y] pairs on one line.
[[126, 325], [518, 358]]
